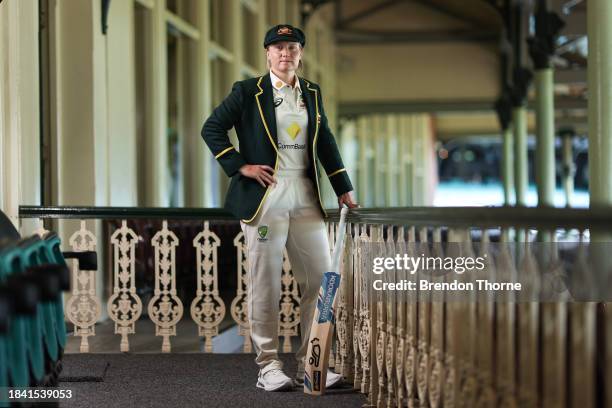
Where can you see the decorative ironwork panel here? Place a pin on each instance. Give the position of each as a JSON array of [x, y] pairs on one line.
[[240, 304], [436, 347], [423, 362], [505, 322], [332, 231], [467, 358], [379, 299], [412, 321], [124, 306], [357, 306], [528, 328], [365, 323], [83, 309], [582, 340], [165, 308], [344, 315], [486, 396], [400, 325], [207, 309], [554, 332]]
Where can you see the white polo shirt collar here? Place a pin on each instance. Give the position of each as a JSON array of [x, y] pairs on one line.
[[279, 84]]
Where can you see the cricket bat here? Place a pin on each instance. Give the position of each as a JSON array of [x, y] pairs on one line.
[[322, 329]]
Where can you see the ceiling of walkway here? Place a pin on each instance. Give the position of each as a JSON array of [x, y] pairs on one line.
[[447, 52]]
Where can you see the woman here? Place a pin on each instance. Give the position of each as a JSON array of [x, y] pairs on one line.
[[282, 131]]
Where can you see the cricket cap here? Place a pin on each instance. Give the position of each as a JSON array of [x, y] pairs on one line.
[[284, 32]]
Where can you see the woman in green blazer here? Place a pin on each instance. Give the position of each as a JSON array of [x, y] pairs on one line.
[[282, 132]]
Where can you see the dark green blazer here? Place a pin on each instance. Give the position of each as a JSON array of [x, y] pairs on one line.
[[249, 108]]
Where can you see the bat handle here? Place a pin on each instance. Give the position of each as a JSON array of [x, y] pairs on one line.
[[339, 240]]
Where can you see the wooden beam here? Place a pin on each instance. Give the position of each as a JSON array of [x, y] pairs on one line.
[[449, 12], [216, 50], [355, 37], [366, 13], [182, 26], [149, 4], [423, 106]]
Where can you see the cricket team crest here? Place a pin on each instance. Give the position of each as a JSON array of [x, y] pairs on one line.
[[262, 231]]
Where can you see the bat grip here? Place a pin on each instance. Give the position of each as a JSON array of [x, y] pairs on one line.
[[339, 240]]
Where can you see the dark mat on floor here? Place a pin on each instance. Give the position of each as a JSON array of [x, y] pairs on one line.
[[187, 380], [78, 369]]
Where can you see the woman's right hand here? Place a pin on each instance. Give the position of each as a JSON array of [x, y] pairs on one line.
[[260, 172]]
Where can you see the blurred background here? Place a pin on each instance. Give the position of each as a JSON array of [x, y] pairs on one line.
[[103, 101]]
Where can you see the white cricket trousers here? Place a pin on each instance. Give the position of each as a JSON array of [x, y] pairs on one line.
[[289, 217]]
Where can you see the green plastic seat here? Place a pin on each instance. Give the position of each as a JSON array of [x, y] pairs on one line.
[[18, 343], [54, 255]]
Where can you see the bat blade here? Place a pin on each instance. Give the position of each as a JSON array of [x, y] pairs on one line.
[[322, 328], [319, 344]]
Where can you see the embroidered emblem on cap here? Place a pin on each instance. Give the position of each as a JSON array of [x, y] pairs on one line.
[[284, 31], [293, 130]]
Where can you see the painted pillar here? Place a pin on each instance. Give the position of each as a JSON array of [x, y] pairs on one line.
[[419, 152], [599, 30], [365, 193], [392, 161], [379, 135], [599, 19], [348, 149], [404, 182], [542, 48], [19, 109], [521, 81], [519, 115], [157, 192], [545, 137], [507, 166], [199, 160]]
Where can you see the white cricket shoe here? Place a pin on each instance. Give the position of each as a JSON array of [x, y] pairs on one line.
[[274, 380], [333, 380]]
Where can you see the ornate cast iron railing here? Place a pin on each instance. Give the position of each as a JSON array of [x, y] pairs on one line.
[[401, 348]]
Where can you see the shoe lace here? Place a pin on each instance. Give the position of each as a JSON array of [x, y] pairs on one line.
[[274, 372]]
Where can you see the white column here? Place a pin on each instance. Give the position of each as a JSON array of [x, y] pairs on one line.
[[599, 17], [403, 183], [348, 150], [379, 134], [122, 164], [418, 160], [19, 107], [393, 160], [198, 159], [365, 191], [157, 174]]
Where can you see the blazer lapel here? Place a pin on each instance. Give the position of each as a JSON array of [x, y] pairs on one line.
[[310, 100], [265, 103]]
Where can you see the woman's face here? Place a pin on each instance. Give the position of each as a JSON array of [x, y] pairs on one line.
[[284, 56]]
